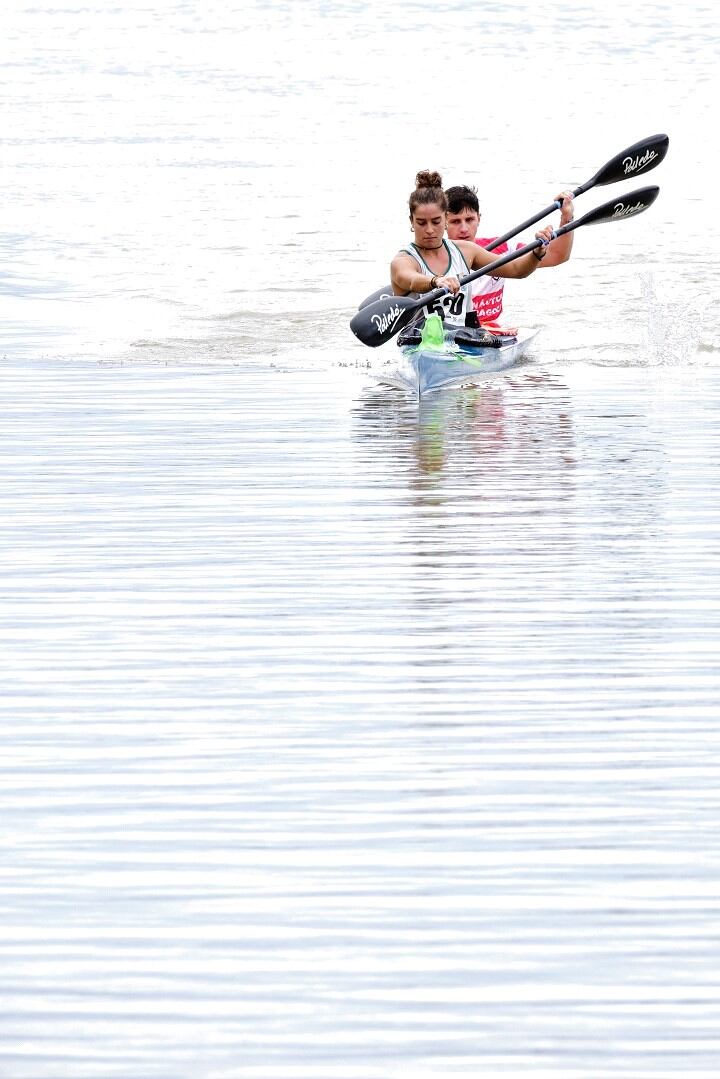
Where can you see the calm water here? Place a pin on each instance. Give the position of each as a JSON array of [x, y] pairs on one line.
[[343, 737]]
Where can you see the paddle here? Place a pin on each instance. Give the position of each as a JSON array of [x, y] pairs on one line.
[[642, 156], [380, 321]]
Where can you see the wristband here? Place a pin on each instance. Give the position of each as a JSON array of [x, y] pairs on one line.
[[537, 255], [433, 282]]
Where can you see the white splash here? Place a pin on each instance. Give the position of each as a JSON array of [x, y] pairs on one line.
[[670, 338]]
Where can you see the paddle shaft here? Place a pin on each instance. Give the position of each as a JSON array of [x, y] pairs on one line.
[[502, 261], [531, 221]]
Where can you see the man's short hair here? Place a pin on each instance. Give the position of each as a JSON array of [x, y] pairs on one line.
[[462, 198]]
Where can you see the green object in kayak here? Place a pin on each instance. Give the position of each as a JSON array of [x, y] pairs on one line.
[[433, 334]]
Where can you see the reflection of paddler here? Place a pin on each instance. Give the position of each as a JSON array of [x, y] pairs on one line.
[[431, 444], [520, 427], [432, 262]]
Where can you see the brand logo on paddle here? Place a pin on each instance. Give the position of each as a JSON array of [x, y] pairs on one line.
[[387, 319], [637, 164], [621, 210]]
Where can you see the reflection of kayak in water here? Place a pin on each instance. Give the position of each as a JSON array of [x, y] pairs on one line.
[[436, 358]]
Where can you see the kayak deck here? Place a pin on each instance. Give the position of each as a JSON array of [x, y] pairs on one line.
[[420, 370]]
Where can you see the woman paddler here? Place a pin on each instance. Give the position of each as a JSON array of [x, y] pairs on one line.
[[432, 261]]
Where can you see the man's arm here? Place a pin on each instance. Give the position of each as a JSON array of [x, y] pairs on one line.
[[559, 250]]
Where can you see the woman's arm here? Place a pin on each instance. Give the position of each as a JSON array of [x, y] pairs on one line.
[[406, 276]]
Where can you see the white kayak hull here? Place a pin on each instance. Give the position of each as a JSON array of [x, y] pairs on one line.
[[418, 370]]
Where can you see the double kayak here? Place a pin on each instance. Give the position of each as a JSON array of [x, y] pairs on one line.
[[442, 358]]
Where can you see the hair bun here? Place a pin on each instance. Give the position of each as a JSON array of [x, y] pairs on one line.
[[428, 179]]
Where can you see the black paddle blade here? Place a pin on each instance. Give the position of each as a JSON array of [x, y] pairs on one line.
[[639, 158], [383, 293], [619, 208], [380, 321]]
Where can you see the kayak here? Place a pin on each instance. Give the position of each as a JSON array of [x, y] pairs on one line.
[[438, 360]]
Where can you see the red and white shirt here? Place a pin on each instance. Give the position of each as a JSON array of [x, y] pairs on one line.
[[487, 292]]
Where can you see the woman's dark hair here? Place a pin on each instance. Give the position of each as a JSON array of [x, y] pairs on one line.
[[461, 198], [428, 188]]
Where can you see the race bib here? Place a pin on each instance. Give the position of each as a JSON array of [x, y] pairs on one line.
[[450, 307]]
